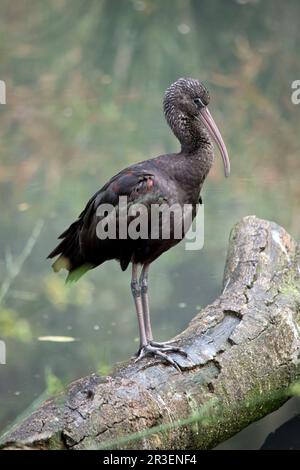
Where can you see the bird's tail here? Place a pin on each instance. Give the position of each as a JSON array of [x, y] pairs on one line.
[[69, 254]]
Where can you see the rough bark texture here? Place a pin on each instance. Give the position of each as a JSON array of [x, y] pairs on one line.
[[243, 357]]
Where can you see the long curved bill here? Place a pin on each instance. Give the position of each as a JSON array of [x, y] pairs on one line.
[[208, 121]]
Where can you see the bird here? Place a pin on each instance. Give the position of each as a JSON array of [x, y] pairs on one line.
[[170, 179]]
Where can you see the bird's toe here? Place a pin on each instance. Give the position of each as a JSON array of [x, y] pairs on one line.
[[166, 347], [160, 352]]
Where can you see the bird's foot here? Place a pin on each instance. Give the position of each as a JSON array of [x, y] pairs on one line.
[[166, 347], [160, 351]]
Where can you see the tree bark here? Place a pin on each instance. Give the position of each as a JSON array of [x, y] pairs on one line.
[[243, 359]]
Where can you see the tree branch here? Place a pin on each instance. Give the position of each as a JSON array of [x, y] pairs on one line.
[[243, 356]]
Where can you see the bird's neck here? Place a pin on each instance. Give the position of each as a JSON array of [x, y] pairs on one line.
[[196, 149], [195, 163], [193, 138], [191, 134], [196, 156]]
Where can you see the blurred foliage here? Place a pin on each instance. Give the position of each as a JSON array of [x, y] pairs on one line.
[[84, 88], [53, 384], [62, 297], [13, 326]]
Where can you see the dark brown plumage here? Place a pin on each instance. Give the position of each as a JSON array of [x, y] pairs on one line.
[[167, 179]]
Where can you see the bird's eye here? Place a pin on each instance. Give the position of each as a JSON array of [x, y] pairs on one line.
[[199, 102]]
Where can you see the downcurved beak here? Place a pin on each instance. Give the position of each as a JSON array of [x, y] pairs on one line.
[[208, 121]]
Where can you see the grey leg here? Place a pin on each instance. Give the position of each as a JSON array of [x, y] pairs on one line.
[[152, 348], [136, 292], [145, 301], [146, 310]]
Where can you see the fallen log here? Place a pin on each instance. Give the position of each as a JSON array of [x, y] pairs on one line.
[[243, 359]]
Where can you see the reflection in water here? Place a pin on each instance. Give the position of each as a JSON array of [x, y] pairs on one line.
[[58, 339], [84, 85]]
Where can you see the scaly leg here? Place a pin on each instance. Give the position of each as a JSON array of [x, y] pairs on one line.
[[146, 310], [136, 293], [145, 301], [152, 348]]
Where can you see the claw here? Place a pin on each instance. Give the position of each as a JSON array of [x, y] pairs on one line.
[[152, 350]]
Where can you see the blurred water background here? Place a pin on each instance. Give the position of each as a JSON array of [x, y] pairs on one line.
[[85, 82]]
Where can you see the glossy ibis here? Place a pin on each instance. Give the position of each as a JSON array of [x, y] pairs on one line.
[[169, 179]]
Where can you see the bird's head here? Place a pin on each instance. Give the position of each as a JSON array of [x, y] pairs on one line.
[[185, 107]]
